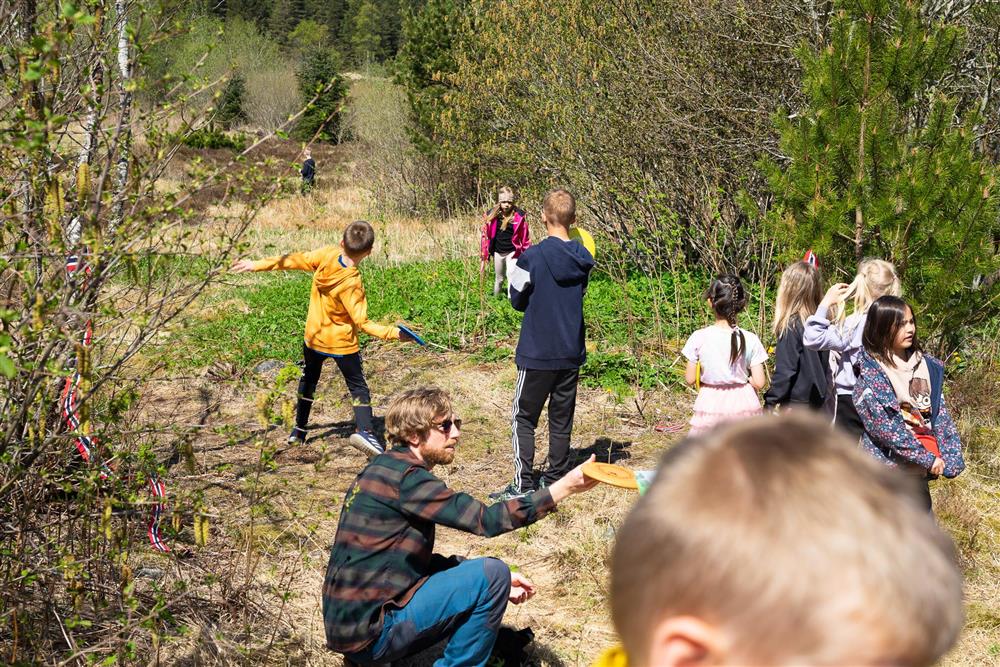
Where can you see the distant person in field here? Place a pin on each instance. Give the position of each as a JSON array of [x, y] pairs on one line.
[[801, 376], [777, 542], [387, 595], [338, 309], [725, 360], [899, 398], [504, 237], [548, 284], [308, 170], [831, 328]]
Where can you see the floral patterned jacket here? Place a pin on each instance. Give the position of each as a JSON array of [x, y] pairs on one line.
[[886, 436]]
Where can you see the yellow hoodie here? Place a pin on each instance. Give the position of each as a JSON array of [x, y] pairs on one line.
[[337, 304]]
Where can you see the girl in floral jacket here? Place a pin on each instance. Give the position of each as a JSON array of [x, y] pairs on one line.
[[899, 399]]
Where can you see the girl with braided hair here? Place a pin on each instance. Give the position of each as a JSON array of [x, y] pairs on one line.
[[720, 357]]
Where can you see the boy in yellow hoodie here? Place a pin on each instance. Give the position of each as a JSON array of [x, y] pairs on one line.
[[337, 309]]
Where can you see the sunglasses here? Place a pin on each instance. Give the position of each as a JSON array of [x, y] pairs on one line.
[[445, 426]]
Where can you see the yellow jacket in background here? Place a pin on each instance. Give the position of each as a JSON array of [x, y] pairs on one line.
[[337, 304]]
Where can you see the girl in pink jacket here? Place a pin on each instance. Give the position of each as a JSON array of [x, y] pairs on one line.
[[505, 236]]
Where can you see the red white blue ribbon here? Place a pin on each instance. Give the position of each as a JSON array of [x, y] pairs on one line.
[[811, 258], [69, 405]]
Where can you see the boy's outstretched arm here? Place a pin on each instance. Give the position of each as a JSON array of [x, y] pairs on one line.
[[356, 303], [295, 261]]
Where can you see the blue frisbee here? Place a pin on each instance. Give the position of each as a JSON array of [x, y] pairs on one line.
[[410, 332]]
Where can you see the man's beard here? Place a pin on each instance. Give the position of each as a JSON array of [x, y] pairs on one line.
[[439, 457]]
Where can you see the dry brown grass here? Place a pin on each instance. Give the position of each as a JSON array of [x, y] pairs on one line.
[[317, 218], [565, 554]]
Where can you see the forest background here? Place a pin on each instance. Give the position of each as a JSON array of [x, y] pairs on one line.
[[154, 142]]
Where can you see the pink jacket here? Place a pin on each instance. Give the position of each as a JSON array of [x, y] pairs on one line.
[[521, 242]]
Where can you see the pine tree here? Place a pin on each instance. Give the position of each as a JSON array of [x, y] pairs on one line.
[[319, 77], [366, 40], [285, 15], [424, 63], [879, 164], [231, 103]]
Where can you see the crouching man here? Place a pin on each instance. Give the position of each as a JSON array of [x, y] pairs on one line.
[[386, 594]]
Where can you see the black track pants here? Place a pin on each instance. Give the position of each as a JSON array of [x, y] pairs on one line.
[[354, 376], [532, 389]]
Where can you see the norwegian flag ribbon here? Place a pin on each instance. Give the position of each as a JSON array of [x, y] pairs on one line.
[[85, 443], [811, 258]]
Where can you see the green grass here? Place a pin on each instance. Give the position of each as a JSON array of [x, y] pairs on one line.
[[635, 325]]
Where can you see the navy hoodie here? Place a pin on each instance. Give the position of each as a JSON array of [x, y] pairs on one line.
[[548, 285]]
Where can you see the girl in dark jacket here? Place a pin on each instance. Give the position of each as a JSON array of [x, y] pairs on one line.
[[801, 376], [899, 399]]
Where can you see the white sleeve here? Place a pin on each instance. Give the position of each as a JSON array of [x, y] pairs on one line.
[[756, 354], [692, 348]]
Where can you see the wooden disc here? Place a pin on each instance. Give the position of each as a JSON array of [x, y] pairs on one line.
[[609, 473]]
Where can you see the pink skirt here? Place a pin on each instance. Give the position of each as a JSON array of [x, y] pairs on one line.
[[717, 404]]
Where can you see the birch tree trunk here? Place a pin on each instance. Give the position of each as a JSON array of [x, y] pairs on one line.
[[124, 119]]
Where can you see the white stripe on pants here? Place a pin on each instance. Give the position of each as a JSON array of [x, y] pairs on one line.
[[502, 265], [518, 386]]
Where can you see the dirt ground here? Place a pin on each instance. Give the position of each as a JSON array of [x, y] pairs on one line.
[[275, 522]]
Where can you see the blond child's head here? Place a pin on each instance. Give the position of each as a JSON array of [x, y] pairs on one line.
[[799, 293], [359, 237], [559, 209], [774, 541], [876, 277]]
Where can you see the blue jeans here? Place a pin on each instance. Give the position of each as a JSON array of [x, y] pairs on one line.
[[465, 603]]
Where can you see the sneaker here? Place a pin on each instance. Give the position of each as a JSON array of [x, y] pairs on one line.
[[297, 436], [366, 442], [509, 492]]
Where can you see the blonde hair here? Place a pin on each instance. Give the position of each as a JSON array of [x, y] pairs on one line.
[[412, 414], [799, 294], [876, 277], [798, 546], [559, 207], [505, 220]]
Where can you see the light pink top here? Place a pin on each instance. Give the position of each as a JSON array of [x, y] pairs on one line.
[[711, 346]]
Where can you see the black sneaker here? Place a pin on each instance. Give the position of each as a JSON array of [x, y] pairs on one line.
[[297, 436], [509, 492], [366, 442]]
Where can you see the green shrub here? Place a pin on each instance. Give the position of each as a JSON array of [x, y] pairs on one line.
[[207, 137]]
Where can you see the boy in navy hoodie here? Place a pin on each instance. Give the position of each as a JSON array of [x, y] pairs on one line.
[[548, 285]]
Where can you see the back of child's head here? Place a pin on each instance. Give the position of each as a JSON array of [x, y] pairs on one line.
[[799, 294], [359, 237], [885, 318], [559, 208], [794, 545], [728, 300], [876, 277]]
